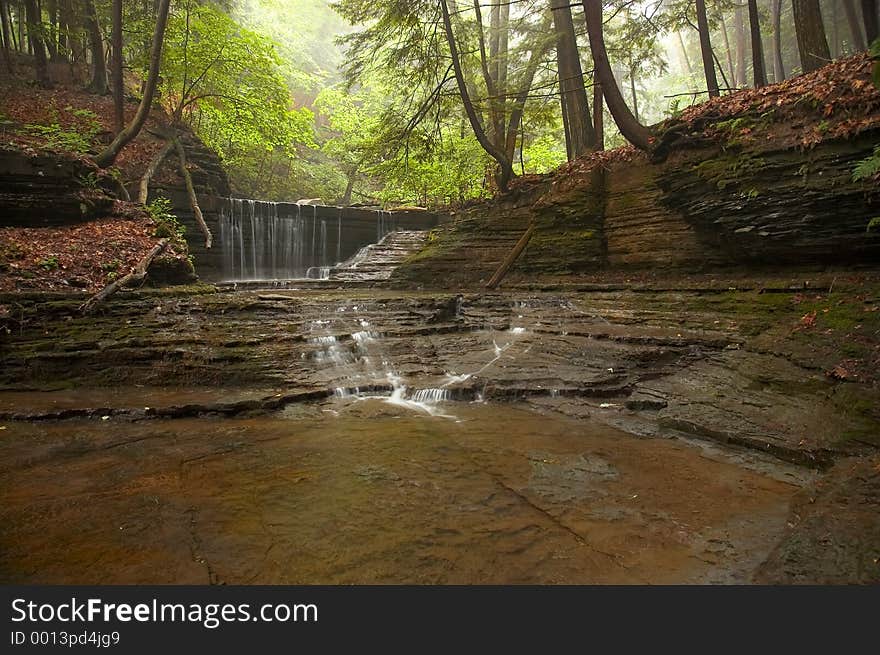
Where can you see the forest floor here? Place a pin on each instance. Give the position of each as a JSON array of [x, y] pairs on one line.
[[72, 125]]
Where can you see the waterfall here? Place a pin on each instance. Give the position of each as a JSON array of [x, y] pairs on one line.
[[273, 241], [264, 241]]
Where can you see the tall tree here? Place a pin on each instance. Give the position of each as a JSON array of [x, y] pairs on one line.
[[727, 49], [504, 163], [108, 156], [760, 75], [4, 24], [869, 15], [812, 44], [855, 27], [776, 19], [706, 50], [35, 39], [598, 115], [739, 28], [118, 90], [98, 83], [580, 136], [629, 127]]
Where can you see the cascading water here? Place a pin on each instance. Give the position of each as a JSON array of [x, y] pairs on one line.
[[261, 242], [352, 355], [281, 241]]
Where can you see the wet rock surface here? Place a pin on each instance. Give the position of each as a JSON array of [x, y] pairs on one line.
[[376, 494], [369, 384]]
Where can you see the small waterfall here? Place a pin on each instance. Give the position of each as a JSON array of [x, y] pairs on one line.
[[261, 241], [265, 241]]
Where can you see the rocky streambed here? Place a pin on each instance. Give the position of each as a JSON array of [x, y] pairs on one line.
[[604, 433]]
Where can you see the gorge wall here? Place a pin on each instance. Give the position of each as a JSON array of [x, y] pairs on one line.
[[716, 207]]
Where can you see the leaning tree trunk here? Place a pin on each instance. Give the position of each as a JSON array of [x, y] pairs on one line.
[[757, 46], [35, 39], [511, 258], [580, 136], [633, 131], [144, 188], [118, 90], [505, 165], [855, 27], [706, 50], [98, 83], [776, 18], [191, 192], [869, 16], [108, 156], [812, 44]]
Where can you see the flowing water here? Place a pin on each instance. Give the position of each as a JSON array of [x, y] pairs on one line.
[[266, 241]]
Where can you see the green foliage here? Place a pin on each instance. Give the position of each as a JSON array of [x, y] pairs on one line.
[[167, 224], [875, 55], [75, 134], [868, 167], [873, 223], [50, 263], [226, 81], [544, 154]]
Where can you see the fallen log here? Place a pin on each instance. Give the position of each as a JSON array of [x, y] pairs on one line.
[[137, 274]]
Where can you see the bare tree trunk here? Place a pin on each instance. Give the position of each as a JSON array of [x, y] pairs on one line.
[[598, 116], [727, 49], [138, 273], [706, 50], [118, 90], [35, 38], [52, 41], [191, 192], [812, 44], [580, 136], [108, 156], [775, 16], [98, 83], [684, 54], [629, 127], [855, 27], [760, 75], [632, 89], [869, 16], [4, 24], [349, 187], [155, 162], [505, 165], [739, 28]]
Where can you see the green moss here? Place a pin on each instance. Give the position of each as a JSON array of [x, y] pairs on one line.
[[730, 171]]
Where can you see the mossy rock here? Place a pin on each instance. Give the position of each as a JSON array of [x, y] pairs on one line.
[[170, 269]]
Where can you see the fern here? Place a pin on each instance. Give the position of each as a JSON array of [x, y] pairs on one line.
[[868, 167]]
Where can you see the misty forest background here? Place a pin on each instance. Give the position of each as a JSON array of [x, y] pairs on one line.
[[357, 101]]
